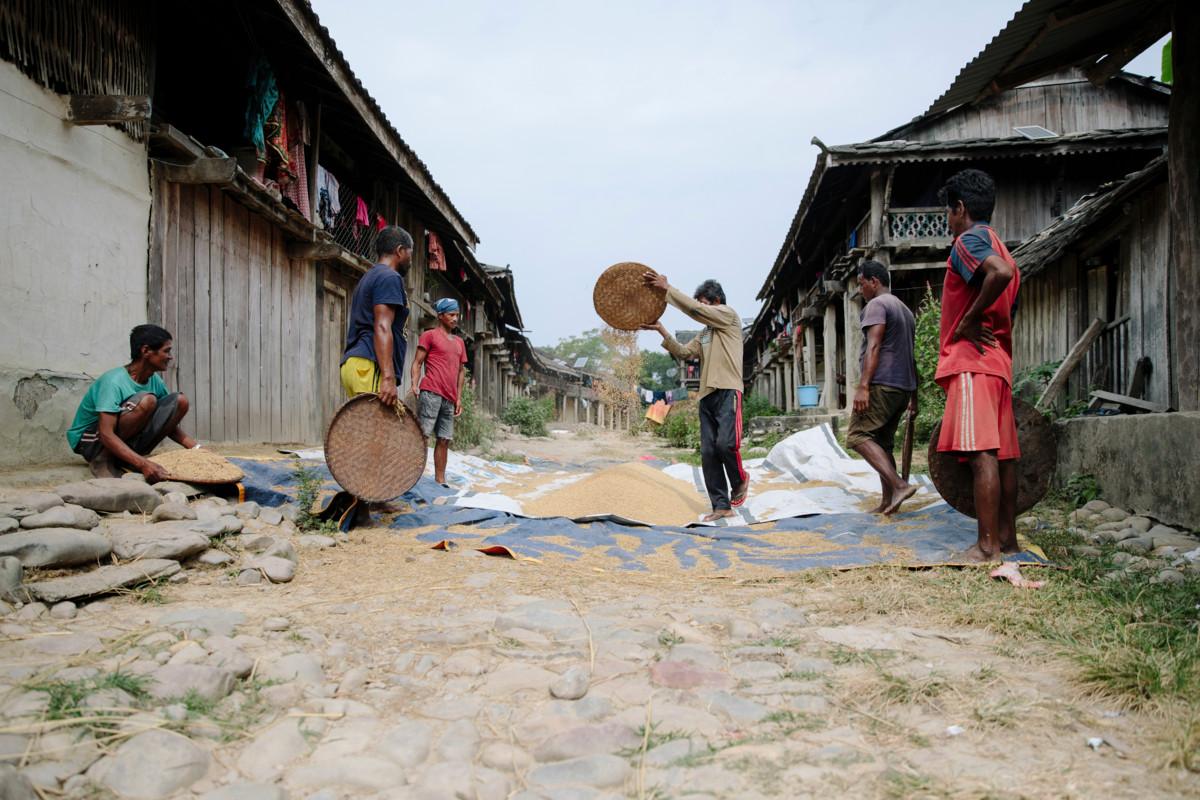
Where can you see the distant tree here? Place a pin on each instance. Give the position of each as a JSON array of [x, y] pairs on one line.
[[588, 344], [656, 369]]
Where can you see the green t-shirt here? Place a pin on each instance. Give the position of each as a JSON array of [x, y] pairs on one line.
[[106, 395]]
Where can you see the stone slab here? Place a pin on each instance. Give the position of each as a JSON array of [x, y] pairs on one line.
[[55, 547], [104, 580]]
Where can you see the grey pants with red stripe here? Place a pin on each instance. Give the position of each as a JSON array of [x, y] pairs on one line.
[[720, 444]]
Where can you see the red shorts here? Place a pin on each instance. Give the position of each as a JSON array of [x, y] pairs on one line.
[[979, 416]]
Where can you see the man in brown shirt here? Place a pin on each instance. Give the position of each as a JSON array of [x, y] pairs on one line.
[[719, 348]]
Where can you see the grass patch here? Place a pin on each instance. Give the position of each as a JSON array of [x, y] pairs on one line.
[[150, 594], [901, 689], [668, 638], [782, 642], [197, 704], [842, 656], [1133, 643], [685, 457], [652, 739], [507, 457], [66, 697], [791, 721]]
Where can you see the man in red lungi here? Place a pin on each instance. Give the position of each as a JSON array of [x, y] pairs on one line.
[[979, 299]]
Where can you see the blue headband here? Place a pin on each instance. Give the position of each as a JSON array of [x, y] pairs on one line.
[[447, 305]]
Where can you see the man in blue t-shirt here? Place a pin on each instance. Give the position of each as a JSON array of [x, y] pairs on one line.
[[375, 345], [127, 411]]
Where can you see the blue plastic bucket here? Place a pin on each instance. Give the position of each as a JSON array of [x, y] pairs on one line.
[[808, 396]]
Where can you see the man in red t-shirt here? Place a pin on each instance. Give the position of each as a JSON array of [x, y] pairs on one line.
[[979, 299], [444, 357]]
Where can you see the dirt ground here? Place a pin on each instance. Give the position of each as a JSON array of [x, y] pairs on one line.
[[818, 685]]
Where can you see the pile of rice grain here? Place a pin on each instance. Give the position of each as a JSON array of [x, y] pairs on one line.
[[635, 491], [198, 466]]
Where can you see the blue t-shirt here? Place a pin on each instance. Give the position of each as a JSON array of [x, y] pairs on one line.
[[382, 285], [105, 396]]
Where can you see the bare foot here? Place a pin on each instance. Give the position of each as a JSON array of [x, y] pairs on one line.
[[105, 467], [739, 494], [879, 508], [1010, 549], [977, 554], [1011, 572], [720, 513], [899, 497]]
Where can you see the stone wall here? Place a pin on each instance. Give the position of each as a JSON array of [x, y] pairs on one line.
[[1145, 462], [74, 220]]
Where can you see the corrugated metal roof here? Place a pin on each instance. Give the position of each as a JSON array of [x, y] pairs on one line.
[[814, 181], [1047, 245], [1045, 35], [1015, 146]]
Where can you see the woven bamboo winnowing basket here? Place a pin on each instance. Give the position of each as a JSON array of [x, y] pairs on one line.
[[198, 466], [624, 301], [1039, 456], [374, 452]]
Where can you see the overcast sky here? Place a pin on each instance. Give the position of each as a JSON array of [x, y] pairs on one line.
[[574, 135]]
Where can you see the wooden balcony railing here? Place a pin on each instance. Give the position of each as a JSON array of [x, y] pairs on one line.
[[917, 224]]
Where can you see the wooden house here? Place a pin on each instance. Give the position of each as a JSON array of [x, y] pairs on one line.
[[222, 173], [878, 199], [1103, 264]]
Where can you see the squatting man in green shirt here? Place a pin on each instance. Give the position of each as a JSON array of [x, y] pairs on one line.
[[719, 348], [127, 411]]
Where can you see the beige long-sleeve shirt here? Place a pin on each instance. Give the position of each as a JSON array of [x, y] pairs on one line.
[[719, 345]]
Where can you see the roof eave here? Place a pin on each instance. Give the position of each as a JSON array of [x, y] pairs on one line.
[[302, 16]]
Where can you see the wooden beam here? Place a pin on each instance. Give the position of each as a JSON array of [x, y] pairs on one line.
[[314, 159], [1076, 354], [1183, 181], [319, 250], [105, 109], [202, 170], [1103, 398], [1136, 43], [175, 141]]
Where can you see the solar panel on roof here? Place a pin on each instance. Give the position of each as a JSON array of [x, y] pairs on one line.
[[1035, 132], [580, 363]]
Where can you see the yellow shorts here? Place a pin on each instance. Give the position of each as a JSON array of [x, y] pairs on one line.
[[359, 375]]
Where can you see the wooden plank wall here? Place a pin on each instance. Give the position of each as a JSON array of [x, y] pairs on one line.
[[1055, 306], [1062, 103], [1144, 291], [244, 317]]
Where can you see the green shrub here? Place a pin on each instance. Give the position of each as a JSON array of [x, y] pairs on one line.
[[1080, 490], [308, 489], [930, 396], [681, 428], [529, 416], [755, 405], [1030, 382], [472, 428]]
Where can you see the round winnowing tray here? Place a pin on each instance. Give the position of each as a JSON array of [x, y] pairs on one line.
[[373, 452], [624, 301], [198, 466], [1039, 456]]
